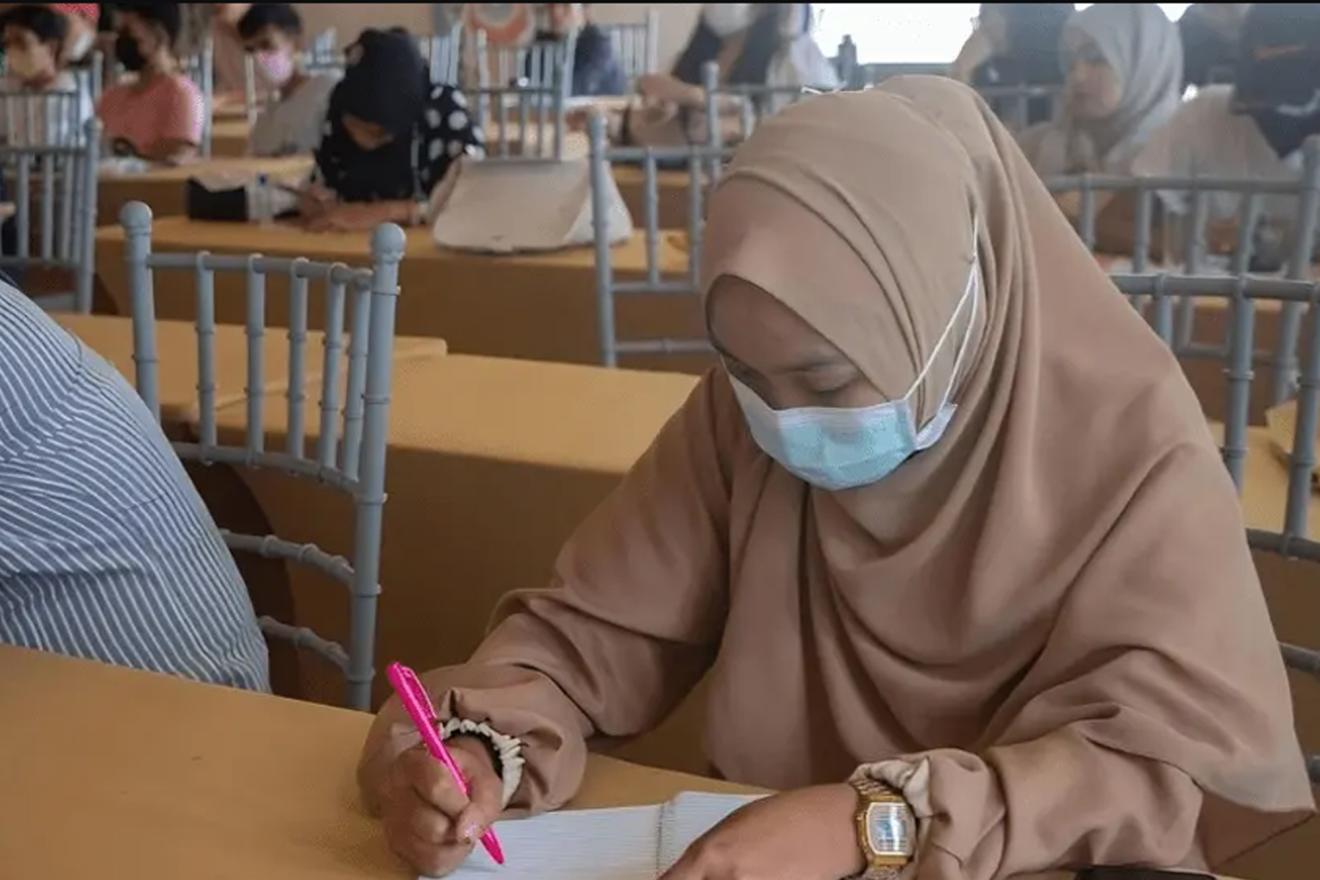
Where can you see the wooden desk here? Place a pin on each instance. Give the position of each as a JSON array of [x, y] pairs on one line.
[[671, 187], [229, 137], [128, 775], [163, 187], [486, 454], [536, 306]]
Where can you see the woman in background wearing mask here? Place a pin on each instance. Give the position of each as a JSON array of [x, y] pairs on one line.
[[292, 121], [1015, 44], [1124, 79], [924, 590], [158, 115], [753, 44], [388, 138], [34, 40]]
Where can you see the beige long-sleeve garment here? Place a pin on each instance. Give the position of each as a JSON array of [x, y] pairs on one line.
[[1053, 610]]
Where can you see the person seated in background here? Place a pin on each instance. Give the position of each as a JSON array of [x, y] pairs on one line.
[[767, 44], [291, 122], [595, 69], [1124, 79], [158, 115], [34, 39], [1210, 33], [389, 137], [1252, 129], [106, 550], [227, 50], [1015, 44], [872, 534]]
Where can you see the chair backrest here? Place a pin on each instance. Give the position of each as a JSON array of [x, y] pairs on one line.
[[91, 75], [442, 53], [636, 45], [696, 161], [354, 464], [199, 67], [35, 119], [59, 181], [754, 102], [1242, 294], [1014, 104], [543, 64], [1299, 244]]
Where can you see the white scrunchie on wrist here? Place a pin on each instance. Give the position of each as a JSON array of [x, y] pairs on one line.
[[508, 750]]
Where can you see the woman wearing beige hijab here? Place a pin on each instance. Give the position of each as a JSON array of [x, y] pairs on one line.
[[1123, 78], [1041, 637]]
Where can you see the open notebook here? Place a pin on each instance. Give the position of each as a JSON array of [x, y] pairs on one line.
[[628, 843]]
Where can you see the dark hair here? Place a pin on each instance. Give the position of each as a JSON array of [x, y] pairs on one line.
[[167, 15], [46, 23], [281, 16], [752, 66]]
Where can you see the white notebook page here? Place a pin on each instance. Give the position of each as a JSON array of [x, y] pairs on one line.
[[628, 843]]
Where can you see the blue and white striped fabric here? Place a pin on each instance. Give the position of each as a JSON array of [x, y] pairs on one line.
[[106, 550]]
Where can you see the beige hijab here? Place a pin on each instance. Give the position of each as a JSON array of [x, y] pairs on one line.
[[1054, 608]]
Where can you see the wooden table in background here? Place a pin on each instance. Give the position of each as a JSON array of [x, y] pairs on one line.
[[163, 187], [492, 463], [128, 775], [540, 306], [229, 137]]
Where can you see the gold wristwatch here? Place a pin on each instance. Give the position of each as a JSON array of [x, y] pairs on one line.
[[886, 829]]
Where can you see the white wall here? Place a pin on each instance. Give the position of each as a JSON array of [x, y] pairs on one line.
[[676, 19]]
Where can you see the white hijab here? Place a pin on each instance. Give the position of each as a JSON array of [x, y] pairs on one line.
[[1144, 49]]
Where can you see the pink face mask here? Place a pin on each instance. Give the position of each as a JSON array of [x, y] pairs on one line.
[[276, 68]]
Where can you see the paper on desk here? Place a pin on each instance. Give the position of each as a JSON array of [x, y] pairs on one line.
[[629, 843]]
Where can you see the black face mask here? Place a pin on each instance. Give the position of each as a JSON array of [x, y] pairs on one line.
[[128, 54]]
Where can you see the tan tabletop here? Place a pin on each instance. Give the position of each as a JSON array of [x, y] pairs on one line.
[[492, 464], [163, 187], [229, 137], [125, 775], [536, 306]]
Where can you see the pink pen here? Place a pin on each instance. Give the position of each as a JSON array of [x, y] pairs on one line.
[[422, 713]]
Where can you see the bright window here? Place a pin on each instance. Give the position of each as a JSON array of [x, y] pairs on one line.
[[899, 33]]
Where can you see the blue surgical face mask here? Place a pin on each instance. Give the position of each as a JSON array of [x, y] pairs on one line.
[[835, 448]]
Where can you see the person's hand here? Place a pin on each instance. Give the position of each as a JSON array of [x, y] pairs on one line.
[[805, 834], [665, 87], [428, 822], [314, 200]]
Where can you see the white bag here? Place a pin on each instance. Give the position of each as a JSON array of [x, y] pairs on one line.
[[510, 205]]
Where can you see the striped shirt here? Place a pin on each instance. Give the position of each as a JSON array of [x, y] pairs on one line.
[[106, 550]]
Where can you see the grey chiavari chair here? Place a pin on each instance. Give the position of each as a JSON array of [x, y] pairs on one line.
[[200, 68], [636, 45], [441, 53], [754, 103], [35, 119], [353, 464], [1242, 295], [1014, 104], [1304, 192], [609, 288], [57, 182]]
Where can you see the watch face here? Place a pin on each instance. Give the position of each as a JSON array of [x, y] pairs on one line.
[[891, 829]]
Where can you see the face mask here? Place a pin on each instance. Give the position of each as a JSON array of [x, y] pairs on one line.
[[726, 19], [275, 68], [128, 54], [837, 448], [81, 45]]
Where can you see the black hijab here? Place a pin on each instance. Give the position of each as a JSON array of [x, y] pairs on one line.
[[752, 67], [1278, 75], [385, 82]]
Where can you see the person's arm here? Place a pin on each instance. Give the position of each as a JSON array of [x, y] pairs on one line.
[[1165, 742], [631, 622]]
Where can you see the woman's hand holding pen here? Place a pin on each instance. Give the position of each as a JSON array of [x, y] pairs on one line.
[[428, 822]]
